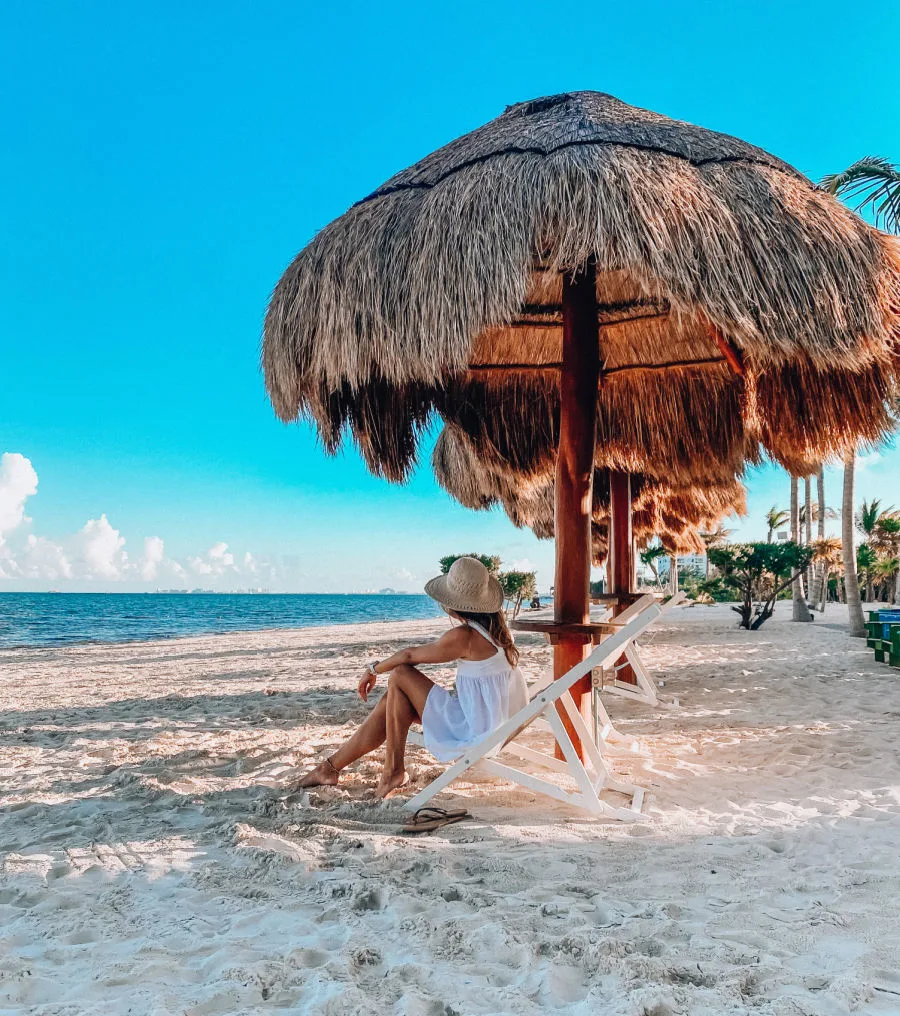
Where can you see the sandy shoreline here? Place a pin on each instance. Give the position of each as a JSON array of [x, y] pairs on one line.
[[148, 865]]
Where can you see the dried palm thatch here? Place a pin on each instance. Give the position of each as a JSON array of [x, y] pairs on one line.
[[729, 286], [674, 513]]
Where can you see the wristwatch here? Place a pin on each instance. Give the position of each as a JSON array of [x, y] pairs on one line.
[[371, 667]]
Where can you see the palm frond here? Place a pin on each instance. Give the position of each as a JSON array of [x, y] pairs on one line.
[[875, 182]]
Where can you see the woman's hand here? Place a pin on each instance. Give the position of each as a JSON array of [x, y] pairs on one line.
[[366, 685]]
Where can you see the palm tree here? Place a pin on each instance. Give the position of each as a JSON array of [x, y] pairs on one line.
[[851, 582], [649, 556], [775, 517], [885, 537], [801, 610], [810, 508], [866, 559], [875, 182], [714, 538], [886, 574], [885, 542], [878, 526], [820, 589], [807, 516], [828, 554], [867, 517]]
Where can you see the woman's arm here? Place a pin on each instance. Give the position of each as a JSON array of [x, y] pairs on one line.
[[448, 647]]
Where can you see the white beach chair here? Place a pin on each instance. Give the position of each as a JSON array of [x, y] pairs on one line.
[[605, 679], [593, 776]]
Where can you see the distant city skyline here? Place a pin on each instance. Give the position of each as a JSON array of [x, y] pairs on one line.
[[163, 166]]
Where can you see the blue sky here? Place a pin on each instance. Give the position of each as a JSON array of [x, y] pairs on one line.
[[164, 162]]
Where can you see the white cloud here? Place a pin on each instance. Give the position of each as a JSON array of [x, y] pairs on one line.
[[217, 561], [95, 556], [99, 551], [864, 462], [218, 553], [18, 481], [43, 559], [154, 554]]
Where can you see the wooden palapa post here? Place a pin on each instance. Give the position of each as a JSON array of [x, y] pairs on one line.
[[620, 560], [578, 383]]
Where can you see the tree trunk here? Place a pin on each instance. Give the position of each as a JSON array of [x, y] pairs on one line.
[[807, 535], [848, 549], [820, 592], [800, 609]]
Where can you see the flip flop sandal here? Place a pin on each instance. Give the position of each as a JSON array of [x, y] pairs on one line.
[[428, 819]]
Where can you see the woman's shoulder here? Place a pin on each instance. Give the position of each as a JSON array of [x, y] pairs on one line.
[[478, 640], [457, 638]]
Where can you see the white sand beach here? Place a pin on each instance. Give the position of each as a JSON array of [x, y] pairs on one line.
[[149, 865]]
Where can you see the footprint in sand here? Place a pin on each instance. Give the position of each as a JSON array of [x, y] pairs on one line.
[[82, 936], [368, 899], [310, 958], [564, 985]]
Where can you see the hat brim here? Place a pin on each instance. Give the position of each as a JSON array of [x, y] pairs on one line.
[[489, 602]]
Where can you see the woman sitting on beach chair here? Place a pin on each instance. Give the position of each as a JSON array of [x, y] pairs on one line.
[[489, 685]]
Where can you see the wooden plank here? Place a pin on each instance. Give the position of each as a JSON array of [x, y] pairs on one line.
[[589, 631]]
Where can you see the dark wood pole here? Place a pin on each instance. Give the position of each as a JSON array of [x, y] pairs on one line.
[[579, 380], [620, 564], [620, 561]]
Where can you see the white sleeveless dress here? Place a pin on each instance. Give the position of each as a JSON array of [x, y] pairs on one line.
[[487, 693]]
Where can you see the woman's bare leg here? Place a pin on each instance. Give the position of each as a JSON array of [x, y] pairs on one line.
[[369, 736], [413, 686], [407, 691], [400, 716]]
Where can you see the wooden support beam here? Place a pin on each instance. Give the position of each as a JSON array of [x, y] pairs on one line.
[[707, 361], [729, 350], [620, 563], [549, 317], [620, 560], [578, 384]]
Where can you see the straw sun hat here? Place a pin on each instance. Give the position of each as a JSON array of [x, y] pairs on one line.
[[467, 586]]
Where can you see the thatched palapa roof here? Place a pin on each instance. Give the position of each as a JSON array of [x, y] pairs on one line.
[[675, 513], [742, 310]]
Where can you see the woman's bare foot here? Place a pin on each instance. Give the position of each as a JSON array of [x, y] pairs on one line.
[[324, 775], [390, 783]]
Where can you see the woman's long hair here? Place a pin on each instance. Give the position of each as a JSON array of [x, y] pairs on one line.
[[495, 625]]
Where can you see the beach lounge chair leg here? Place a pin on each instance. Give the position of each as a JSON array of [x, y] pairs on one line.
[[604, 778], [644, 690], [590, 791], [613, 741], [436, 786]]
